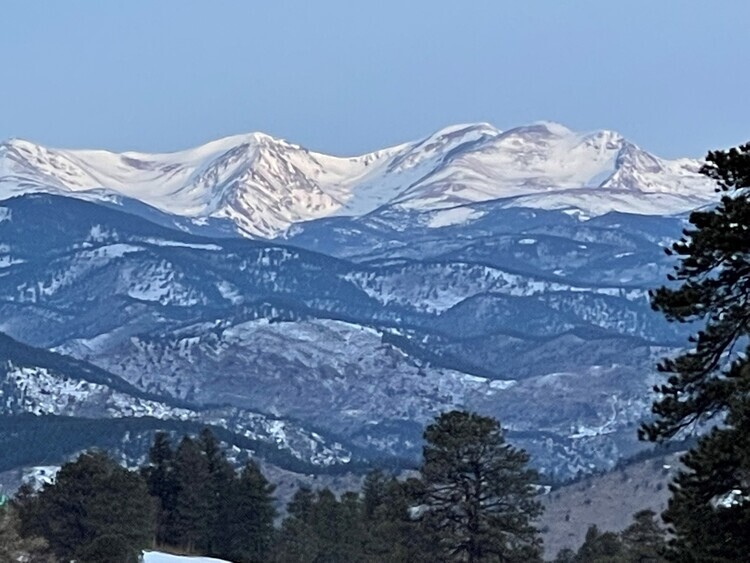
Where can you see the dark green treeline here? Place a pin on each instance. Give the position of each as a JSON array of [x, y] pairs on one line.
[[474, 500]]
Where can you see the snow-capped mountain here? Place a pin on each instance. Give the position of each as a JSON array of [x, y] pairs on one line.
[[505, 272], [265, 185]]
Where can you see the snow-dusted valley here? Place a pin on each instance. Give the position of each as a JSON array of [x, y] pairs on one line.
[[320, 310]]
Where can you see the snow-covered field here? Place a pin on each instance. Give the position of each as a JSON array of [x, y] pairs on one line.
[[158, 557]]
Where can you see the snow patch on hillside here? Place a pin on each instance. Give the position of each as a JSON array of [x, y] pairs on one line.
[[449, 217]]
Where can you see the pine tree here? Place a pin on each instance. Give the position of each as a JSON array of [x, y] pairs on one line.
[[93, 499], [392, 533], [160, 478], [479, 494], [249, 517], [189, 523], [383, 513], [297, 540], [601, 547], [222, 476], [374, 490], [31, 519], [351, 531], [709, 510], [14, 547], [566, 555], [320, 528], [644, 540], [328, 526]]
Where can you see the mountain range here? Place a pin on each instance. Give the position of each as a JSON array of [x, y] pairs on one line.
[[264, 185], [329, 307]]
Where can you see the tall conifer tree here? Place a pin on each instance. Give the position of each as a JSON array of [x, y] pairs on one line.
[[160, 478], [479, 493], [709, 512], [222, 476], [95, 511], [189, 526], [249, 517], [298, 540], [644, 540]]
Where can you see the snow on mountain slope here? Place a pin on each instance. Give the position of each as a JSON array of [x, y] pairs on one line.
[[353, 381], [42, 383], [423, 285], [266, 185], [548, 166], [342, 373], [514, 312]]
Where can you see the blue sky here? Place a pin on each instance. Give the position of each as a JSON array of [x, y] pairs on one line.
[[350, 76]]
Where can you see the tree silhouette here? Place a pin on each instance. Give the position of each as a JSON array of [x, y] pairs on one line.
[[709, 511], [479, 499], [95, 511]]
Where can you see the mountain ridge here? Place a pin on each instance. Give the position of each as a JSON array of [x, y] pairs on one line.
[[501, 271], [44, 383], [424, 319], [265, 185]]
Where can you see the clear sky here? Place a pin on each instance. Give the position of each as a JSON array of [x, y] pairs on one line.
[[347, 76]]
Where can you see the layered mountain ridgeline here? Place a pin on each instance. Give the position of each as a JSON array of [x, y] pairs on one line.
[[54, 406], [534, 316]]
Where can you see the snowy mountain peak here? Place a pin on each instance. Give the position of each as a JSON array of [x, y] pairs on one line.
[[463, 130], [632, 157], [264, 184], [544, 128]]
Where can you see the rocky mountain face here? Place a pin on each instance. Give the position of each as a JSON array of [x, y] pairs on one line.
[[505, 272]]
